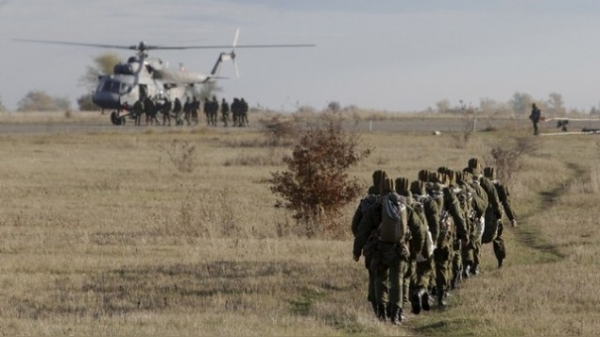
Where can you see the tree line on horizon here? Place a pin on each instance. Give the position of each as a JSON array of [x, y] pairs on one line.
[[103, 64]]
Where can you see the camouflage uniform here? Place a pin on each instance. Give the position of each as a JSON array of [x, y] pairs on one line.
[[427, 210], [450, 234], [194, 108], [166, 111], [243, 113], [370, 199], [390, 258], [493, 226], [138, 110], [177, 109], [485, 190], [225, 112]]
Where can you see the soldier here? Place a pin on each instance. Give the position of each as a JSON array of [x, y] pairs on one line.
[[450, 232], [195, 107], [214, 109], [177, 109], [420, 270], [187, 110], [138, 110], [166, 111], [400, 236], [494, 227], [488, 199], [150, 110], [535, 116], [243, 113], [235, 111], [402, 188], [458, 195], [207, 111], [225, 112], [369, 200]]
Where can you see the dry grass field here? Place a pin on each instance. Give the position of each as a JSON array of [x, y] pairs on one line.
[[104, 234]]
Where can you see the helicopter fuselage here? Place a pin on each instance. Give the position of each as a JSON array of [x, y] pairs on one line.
[[140, 78]]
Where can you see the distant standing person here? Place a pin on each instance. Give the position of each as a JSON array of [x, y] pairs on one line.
[[535, 118]]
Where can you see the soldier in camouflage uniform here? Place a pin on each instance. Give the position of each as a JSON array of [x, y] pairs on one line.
[[427, 210], [457, 202], [491, 203], [177, 110], [390, 257], [137, 111], [402, 189], [225, 112], [493, 226], [451, 232], [369, 200]]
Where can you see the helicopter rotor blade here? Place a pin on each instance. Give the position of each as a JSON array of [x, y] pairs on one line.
[[238, 46], [235, 39], [75, 44], [148, 47]]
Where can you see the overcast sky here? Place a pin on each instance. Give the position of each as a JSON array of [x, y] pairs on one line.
[[393, 55]]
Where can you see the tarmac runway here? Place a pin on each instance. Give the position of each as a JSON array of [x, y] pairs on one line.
[[42, 124]]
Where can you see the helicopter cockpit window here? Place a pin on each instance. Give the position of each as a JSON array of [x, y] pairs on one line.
[[106, 86]]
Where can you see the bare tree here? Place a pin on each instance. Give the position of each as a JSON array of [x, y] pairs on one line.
[[103, 64], [556, 104], [521, 103], [41, 101]]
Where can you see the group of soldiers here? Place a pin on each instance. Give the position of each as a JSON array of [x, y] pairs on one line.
[[187, 113], [439, 222]]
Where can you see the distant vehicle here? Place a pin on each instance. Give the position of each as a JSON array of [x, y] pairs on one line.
[[143, 76]]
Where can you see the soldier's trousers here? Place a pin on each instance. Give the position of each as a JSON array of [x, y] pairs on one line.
[[457, 262], [498, 243], [442, 257], [471, 253], [422, 275], [371, 294], [388, 264]]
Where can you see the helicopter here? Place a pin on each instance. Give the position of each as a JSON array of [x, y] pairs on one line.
[[143, 76]]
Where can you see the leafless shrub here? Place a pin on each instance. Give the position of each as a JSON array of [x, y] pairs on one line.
[[462, 138], [316, 185], [506, 157], [181, 153]]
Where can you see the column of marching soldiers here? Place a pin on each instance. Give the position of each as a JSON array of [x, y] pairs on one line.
[[187, 113], [422, 239]]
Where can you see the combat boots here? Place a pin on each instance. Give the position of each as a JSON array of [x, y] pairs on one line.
[[395, 314], [374, 305], [425, 301], [466, 270], [381, 312], [474, 269], [441, 294], [416, 301]]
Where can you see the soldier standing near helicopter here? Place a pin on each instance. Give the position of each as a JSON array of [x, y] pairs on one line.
[[177, 108], [195, 108], [243, 113], [166, 111], [225, 112], [235, 111], [138, 110], [187, 110]]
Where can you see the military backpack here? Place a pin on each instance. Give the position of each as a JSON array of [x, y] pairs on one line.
[[393, 227]]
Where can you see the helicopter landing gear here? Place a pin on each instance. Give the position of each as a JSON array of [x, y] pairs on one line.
[[115, 119]]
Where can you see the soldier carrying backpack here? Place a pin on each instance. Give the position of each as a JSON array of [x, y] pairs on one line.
[[400, 237], [365, 203]]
